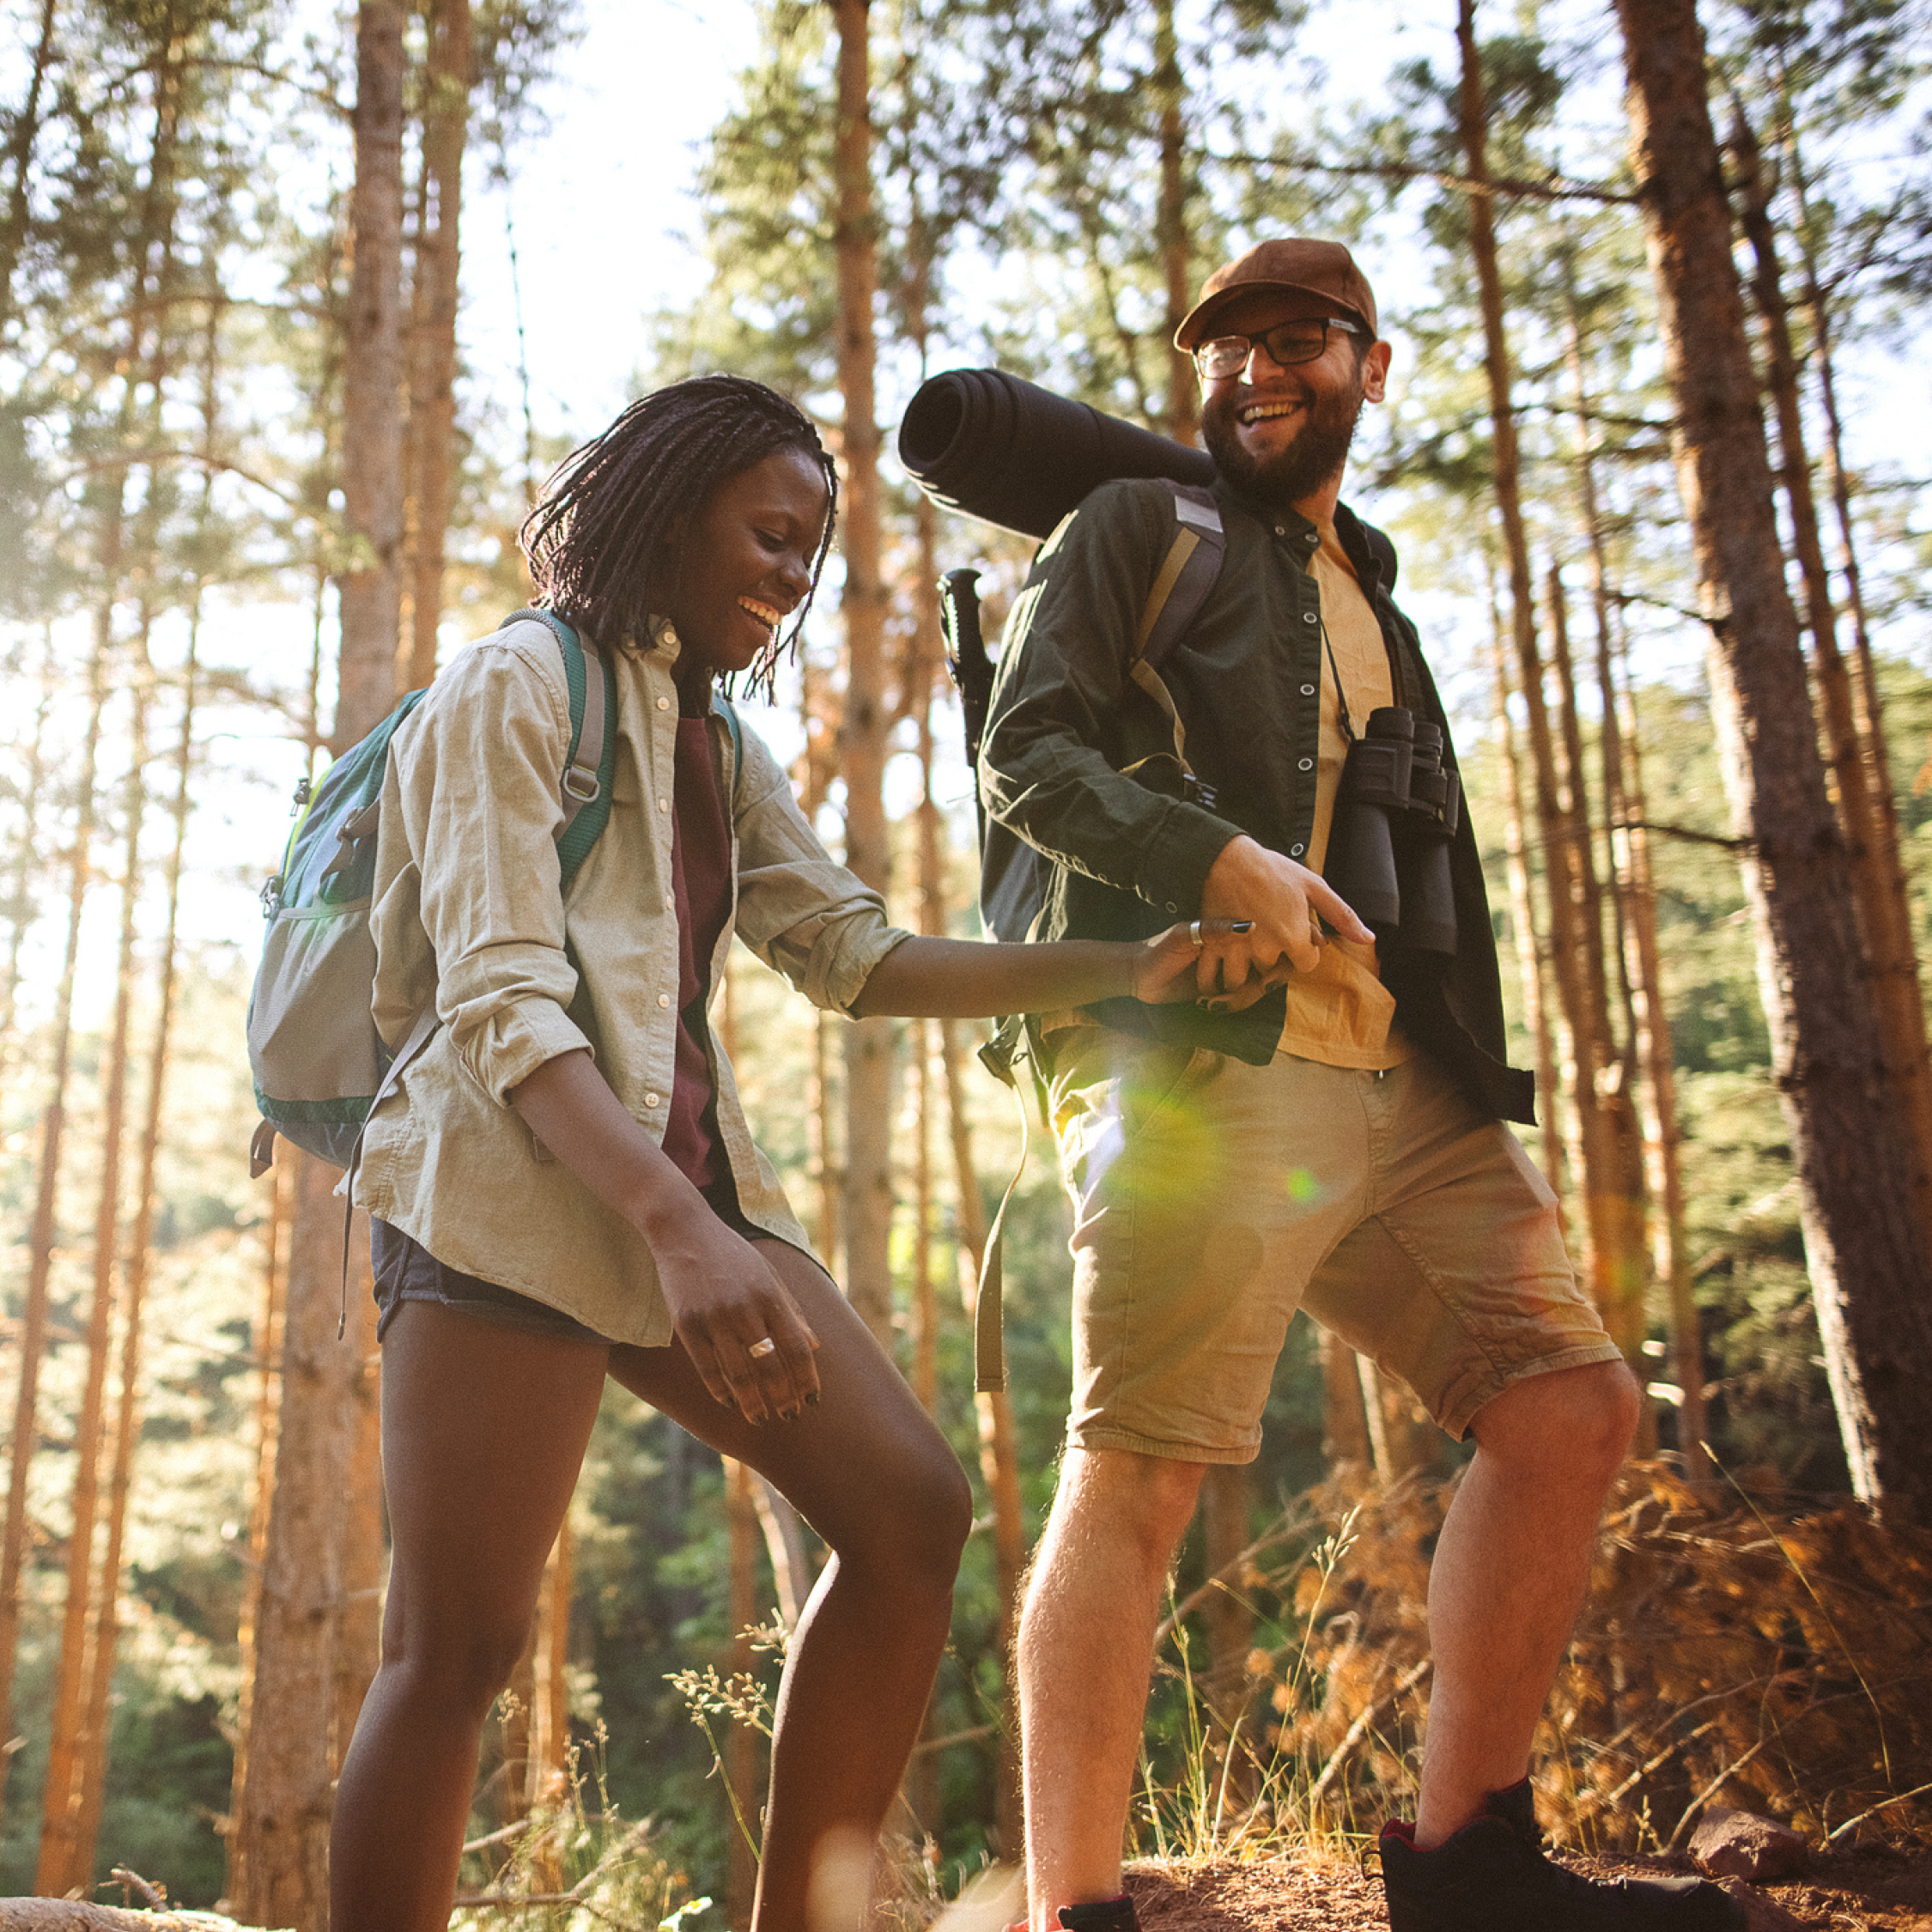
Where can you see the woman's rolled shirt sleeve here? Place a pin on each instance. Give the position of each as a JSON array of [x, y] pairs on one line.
[[800, 911], [480, 780]]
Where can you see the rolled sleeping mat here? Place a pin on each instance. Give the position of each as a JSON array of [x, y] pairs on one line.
[[1013, 453]]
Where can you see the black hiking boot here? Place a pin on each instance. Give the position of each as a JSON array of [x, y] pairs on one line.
[[1105, 1915], [1102, 1914], [1493, 1877]]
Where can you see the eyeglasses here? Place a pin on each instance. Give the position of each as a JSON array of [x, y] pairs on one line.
[[1286, 343]]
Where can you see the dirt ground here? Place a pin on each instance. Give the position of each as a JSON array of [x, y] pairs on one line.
[[1872, 1890]]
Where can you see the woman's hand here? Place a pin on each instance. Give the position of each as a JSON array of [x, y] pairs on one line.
[[1172, 965], [725, 1303]]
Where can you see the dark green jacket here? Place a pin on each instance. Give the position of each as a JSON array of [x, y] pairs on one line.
[[1130, 853]]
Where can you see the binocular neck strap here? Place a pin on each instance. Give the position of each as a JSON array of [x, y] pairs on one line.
[[1341, 696]]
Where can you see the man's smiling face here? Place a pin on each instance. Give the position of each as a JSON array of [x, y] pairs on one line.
[[1283, 435]]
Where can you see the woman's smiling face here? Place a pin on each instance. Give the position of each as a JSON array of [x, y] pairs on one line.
[[745, 561]]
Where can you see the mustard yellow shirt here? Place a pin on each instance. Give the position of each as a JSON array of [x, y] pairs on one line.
[[468, 911]]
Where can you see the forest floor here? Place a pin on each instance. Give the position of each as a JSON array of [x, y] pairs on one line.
[[1874, 1889]]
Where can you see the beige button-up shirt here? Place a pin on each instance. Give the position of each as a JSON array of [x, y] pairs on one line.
[[468, 911]]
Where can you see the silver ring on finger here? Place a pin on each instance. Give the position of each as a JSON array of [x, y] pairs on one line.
[[761, 1348], [1194, 933]]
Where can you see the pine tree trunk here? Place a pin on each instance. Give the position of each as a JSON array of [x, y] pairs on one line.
[[1884, 922], [1872, 720], [1523, 927], [270, 1325], [1226, 1502], [1863, 1239], [431, 413], [925, 1300], [550, 1737], [784, 1545], [372, 394], [741, 1739], [26, 133], [313, 1645], [822, 1136], [53, 1126], [999, 1447], [1345, 1422], [1686, 1328], [864, 726], [20, 903], [127, 1423], [1170, 224], [1565, 847], [156, 232], [57, 1872], [1618, 1204]]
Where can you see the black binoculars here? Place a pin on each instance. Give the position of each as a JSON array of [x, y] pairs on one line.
[[1397, 811]]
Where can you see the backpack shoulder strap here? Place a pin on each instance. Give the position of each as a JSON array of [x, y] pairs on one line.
[[585, 786], [728, 711], [1186, 576], [1181, 586]]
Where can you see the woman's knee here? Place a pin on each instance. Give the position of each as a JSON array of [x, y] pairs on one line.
[[463, 1669], [918, 1521]]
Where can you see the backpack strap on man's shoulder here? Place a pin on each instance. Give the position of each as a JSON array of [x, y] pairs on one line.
[[1186, 576], [1180, 587]]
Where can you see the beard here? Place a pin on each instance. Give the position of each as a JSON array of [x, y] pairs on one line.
[[1318, 452]]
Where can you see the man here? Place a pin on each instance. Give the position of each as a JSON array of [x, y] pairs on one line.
[[1337, 1144]]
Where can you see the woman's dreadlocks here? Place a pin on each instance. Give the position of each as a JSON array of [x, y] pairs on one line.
[[597, 542]]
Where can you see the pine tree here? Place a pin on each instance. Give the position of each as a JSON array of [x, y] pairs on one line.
[[1863, 1244]]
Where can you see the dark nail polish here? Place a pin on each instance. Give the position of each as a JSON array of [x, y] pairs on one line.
[[1244, 926]]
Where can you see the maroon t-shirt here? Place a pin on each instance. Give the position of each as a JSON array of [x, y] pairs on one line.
[[701, 883]]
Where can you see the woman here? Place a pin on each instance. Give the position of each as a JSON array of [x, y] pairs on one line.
[[564, 1188]]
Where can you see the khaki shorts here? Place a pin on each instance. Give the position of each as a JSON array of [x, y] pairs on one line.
[[1212, 1199]]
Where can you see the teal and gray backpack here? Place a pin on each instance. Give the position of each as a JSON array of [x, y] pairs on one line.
[[320, 1068]]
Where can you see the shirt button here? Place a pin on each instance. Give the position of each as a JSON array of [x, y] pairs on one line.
[[1296, 851], [1281, 529], [1307, 764], [1171, 907], [1307, 690], [664, 1000], [664, 804], [670, 903], [652, 1100], [1308, 617], [663, 704]]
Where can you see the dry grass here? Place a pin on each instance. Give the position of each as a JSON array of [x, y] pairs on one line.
[[1756, 1651]]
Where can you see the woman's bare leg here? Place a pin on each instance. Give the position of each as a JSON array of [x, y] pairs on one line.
[[874, 1477], [484, 1431]]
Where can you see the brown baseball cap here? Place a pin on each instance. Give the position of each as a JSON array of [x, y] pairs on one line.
[[1298, 265]]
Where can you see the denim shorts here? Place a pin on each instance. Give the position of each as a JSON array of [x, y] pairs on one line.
[[406, 1270], [1212, 1199]]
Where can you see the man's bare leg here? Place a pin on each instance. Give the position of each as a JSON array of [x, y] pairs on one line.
[[1510, 1572], [1086, 1650]]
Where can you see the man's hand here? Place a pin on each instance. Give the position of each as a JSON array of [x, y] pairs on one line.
[[1278, 901]]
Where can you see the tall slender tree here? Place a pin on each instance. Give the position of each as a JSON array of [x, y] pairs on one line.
[[1863, 1242], [57, 1871], [865, 720], [318, 1579], [447, 76]]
